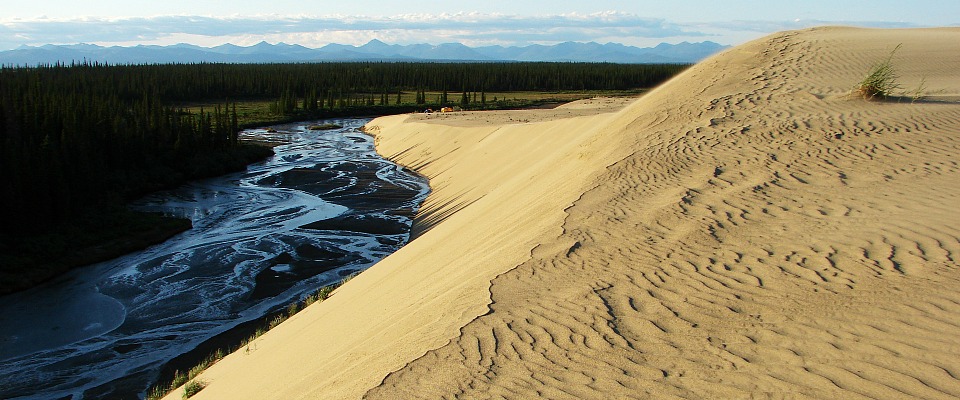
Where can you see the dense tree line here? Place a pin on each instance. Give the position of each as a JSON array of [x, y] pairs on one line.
[[81, 136], [72, 142], [191, 82]]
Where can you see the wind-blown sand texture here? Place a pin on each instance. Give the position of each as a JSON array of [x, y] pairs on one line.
[[745, 230]]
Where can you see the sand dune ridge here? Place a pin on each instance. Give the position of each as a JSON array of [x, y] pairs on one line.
[[764, 238], [748, 229]]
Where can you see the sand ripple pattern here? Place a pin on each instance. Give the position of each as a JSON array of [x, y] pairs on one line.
[[762, 235]]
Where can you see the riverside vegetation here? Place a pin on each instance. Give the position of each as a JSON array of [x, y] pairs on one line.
[[192, 385], [78, 141]]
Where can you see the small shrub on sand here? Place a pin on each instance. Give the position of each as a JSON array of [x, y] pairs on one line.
[[310, 300], [178, 380], [206, 363], [324, 292], [156, 393], [159, 391], [292, 309], [193, 387], [920, 92], [348, 278], [276, 321], [881, 82]]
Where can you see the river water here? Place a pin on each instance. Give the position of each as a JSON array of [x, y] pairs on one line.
[[325, 206]]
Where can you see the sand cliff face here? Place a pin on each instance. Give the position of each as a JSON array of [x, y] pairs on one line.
[[747, 229]]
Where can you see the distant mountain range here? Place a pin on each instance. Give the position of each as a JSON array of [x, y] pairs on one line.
[[374, 50]]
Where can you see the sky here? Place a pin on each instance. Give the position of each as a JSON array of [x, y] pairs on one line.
[[315, 23]]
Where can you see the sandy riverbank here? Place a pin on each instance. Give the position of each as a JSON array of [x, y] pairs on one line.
[[746, 229]]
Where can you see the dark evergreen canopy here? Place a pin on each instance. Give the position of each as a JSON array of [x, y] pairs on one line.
[[78, 137]]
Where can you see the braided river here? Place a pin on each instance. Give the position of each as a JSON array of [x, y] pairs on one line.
[[323, 207]]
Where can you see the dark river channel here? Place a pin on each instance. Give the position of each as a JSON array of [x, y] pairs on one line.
[[325, 206]]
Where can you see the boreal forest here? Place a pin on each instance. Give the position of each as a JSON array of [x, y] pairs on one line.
[[82, 138]]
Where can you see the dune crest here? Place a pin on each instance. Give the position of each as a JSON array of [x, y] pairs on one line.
[[746, 229]]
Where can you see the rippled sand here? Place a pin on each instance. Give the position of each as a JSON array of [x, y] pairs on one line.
[[748, 229]]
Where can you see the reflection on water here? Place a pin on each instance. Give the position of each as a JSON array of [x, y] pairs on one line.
[[323, 207]]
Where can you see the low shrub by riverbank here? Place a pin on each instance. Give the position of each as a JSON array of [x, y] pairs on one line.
[[176, 378]]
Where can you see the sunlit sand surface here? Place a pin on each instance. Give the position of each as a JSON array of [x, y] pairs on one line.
[[747, 229]]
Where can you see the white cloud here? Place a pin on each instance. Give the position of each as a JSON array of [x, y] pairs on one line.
[[776, 26], [470, 28], [473, 29]]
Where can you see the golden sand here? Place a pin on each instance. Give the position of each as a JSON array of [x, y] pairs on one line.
[[747, 229]]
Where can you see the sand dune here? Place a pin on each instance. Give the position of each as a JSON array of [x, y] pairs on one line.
[[745, 230]]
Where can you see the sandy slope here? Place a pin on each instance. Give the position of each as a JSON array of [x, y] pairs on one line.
[[745, 230]]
